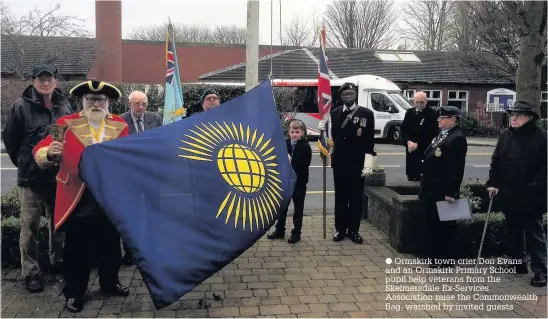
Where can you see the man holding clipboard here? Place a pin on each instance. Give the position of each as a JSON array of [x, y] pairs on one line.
[[443, 171]]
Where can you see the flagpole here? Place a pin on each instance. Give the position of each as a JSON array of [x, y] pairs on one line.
[[324, 169]]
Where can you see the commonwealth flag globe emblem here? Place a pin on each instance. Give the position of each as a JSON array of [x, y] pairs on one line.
[[246, 161], [241, 168]]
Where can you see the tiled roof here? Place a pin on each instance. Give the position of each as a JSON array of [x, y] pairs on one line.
[[435, 67], [73, 56]]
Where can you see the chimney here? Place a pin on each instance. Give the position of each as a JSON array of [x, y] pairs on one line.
[[108, 41]]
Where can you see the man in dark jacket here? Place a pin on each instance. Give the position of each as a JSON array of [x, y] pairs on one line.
[[518, 176], [442, 173], [418, 129], [300, 155], [352, 129], [209, 99], [26, 124]]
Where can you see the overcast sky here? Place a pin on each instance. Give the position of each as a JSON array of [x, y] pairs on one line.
[[210, 13]]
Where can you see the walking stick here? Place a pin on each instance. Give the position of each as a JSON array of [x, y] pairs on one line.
[[484, 230], [324, 160]]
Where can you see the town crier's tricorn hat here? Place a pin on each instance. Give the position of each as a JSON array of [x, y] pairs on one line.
[[96, 87], [524, 107]]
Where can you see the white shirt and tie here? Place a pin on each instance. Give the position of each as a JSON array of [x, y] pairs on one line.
[[138, 122]]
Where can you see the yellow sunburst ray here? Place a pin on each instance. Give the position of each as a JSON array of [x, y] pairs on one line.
[[272, 206], [225, 133], [253, 137], [244, 213], [258, 212], [235, 131], [264, 145], [273, 171], [229, 212], [259, 140], [237, 213], [242, 133], [275, 178], [268, 151], [250, 210], [270, 158], [265, 210], [190, 150], [221, 136], [199, 141], [223, 204], [272, 165], [229, 130], [274, 192], [204, 139], [217, 141], [248, 134], [196, 146], [212, 134], [196, 158]]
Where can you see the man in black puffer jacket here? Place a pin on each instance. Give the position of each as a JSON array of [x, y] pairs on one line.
[[26, 124], [518, 176]]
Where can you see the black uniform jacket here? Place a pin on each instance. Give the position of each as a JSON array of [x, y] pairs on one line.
[[354, 141], [518, 169], [420, 127], [443, 167]]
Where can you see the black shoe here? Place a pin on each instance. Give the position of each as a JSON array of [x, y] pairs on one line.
[[127, 260], [34, 283], [338, 236], [276, 235], [294, 239], [539, 280], [74, 305], [355, 237], [116, 290], [413, 179]]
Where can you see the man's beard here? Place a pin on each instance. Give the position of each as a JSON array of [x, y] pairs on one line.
[[95, 117]]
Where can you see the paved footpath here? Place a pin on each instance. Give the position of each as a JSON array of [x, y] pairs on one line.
[[314, 278]]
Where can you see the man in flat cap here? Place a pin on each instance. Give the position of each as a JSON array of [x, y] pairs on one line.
[[26, 124], [442, 174], [418, 128], [518, 176], [352, 132], [90, 236]]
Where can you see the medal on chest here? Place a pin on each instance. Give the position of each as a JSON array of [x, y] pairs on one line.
[[363, 122], [355, 120], [422, 121], [359, 132], [437, 152]]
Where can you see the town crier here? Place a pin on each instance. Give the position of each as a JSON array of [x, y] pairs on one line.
[[90, 236]]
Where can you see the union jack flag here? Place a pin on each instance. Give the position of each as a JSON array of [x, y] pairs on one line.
[[324, 94], [170, 63], [173, 103]]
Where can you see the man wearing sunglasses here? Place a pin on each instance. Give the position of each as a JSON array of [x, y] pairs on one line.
[[518, 178], [210, 99], [442, 173]]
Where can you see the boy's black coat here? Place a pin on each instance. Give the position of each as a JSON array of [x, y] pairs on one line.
[[301, 157]]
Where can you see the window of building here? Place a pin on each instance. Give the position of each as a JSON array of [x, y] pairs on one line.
[[458, 99], [408, 57], [381, 103], [409, 95], [543, 104], [306, 99], [387, 56], [434, 98]]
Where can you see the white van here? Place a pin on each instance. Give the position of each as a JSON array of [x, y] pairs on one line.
[[381, 96]]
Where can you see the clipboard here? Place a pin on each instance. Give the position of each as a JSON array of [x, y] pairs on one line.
[[457, 210]]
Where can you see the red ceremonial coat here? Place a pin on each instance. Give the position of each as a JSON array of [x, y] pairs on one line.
[[79, 135]]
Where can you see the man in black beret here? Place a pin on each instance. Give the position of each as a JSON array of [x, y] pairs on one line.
[[518, 176], [351, 131], [209, 99], [442, 173]]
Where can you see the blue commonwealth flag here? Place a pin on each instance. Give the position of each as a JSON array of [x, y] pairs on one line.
[[189, 197]]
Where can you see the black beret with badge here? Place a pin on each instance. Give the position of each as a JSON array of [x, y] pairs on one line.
[[524, 107], [449, 110], [347, 86], [96, 87]]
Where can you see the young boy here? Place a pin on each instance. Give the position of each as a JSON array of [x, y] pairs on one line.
[[300, 155]]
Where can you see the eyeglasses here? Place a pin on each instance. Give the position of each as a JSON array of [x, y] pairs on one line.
[[92, 100], [444, 117], [212, 98], [350, 93], [515, 114], [140, 103]]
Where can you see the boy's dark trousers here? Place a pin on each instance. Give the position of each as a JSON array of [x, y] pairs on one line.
[[299, 193]]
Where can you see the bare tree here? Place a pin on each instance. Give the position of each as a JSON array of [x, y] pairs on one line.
[[361, 24], [462, 35], [41, 37], [230, 34], [301, 33], [428, 23]]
